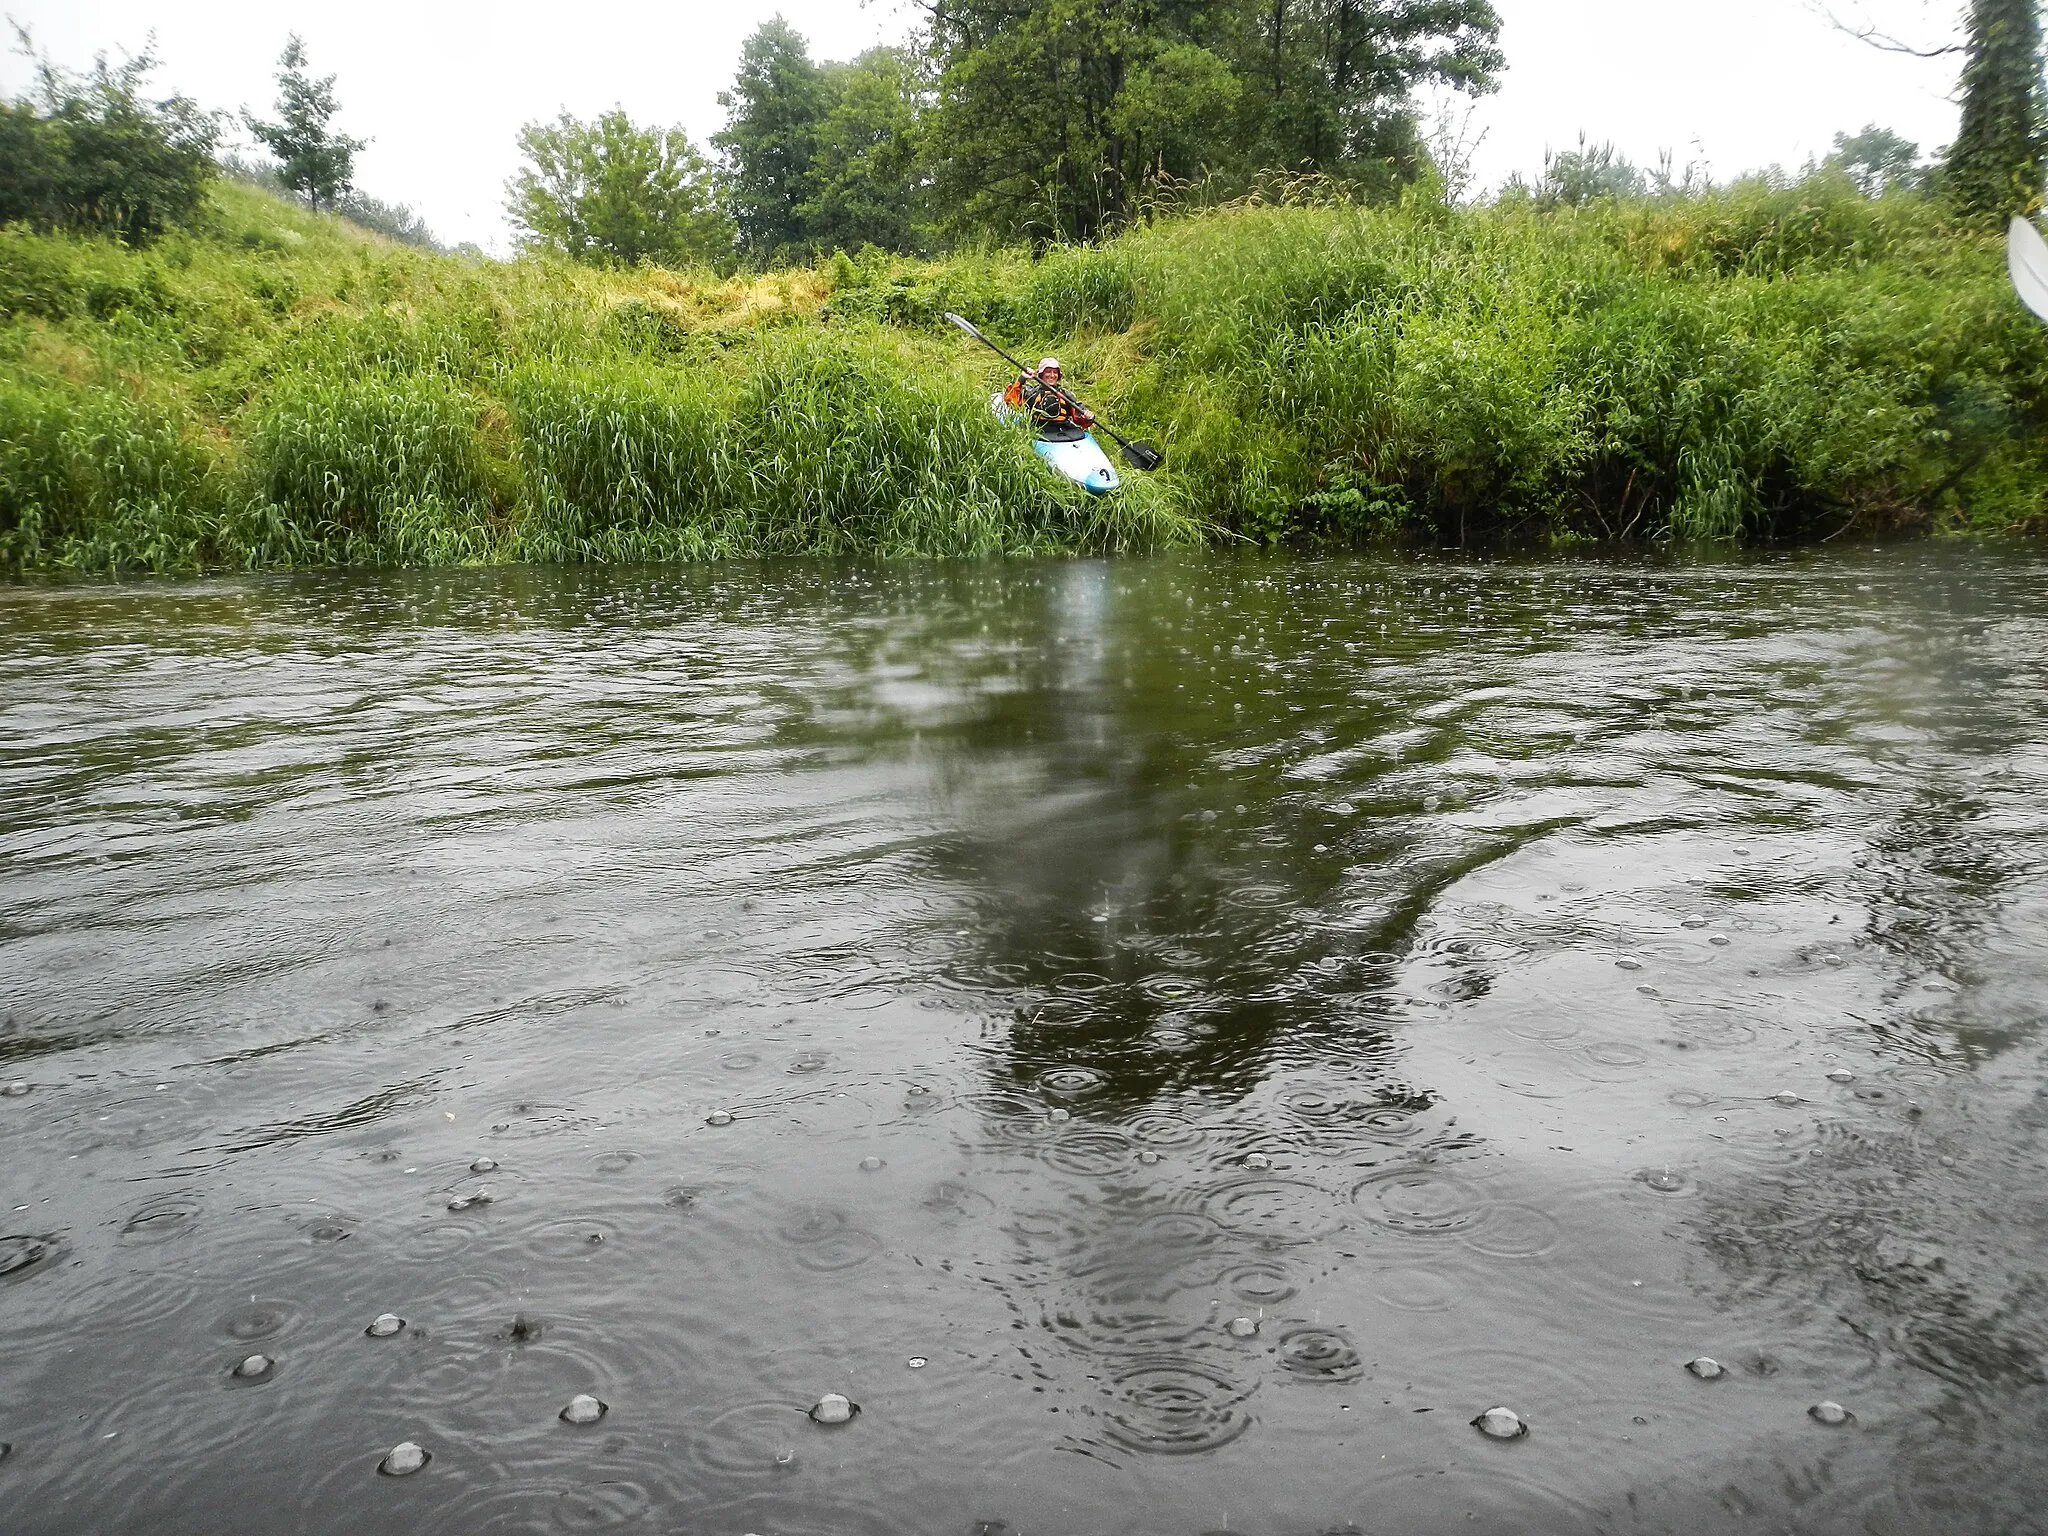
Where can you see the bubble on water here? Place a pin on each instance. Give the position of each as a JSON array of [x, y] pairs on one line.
[[1059, 1117], [1242, 1327], [1706, 1368], [1257, 1160], [584, 1409], [834, 1409], [384, 1325], [1649, 991], [719, 1117], [1432, 802], [1319, 1354], [1718, 940], [1626, 964], [917, 1362], [1787, 1098], [871, 1164], [1841, 1075], [1501, 1424], [254, 1367], [484, 1165], [1831, 959], [404, 1459], [1148, 1157], [14, 1089], [1830, 1414], [1071, 1082]]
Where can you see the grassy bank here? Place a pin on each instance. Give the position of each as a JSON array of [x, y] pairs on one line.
[[1758, 362]]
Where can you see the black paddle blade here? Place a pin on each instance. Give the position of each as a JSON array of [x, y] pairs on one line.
[[1143, 456]]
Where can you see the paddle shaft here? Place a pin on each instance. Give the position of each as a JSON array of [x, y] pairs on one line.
[[968, 326]]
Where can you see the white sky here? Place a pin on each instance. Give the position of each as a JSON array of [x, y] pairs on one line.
[[442, 86]]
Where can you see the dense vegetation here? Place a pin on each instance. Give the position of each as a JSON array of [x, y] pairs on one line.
[[1763, 359]]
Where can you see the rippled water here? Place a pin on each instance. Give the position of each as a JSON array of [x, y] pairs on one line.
[[1172, 1042]]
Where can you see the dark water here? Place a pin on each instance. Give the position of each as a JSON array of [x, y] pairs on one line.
[[1401, 958]]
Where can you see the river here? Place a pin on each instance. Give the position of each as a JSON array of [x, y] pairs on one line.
[[1172, 1041]]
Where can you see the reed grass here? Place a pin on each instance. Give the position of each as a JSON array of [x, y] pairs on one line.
[[1769, 360]]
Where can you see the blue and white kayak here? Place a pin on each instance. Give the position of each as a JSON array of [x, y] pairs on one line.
[[1079, 458]]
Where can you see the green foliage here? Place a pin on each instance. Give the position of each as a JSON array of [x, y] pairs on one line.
[[609, 192], [313, 160], [376, 469], [91, 153], [1995, 166], [826, 156], [1056, 120], [1774, 359], [1877, 159]]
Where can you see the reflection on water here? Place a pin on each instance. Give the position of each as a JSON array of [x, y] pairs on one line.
[[1173, 1043]]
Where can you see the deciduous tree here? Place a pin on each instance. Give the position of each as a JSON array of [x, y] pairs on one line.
[[313, 160], [609, 192]]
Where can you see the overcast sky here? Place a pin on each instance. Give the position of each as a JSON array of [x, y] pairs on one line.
[[441, 87]]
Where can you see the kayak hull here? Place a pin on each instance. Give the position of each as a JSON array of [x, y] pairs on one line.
[[1081, 461]]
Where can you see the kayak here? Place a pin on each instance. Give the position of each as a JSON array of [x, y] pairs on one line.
[[1078, 457]]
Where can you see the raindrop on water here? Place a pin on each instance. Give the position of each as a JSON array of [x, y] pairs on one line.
[[1706, 1368], [584, 1409], [254, 1367], [718, 1117], [1257, 1160], [1148, 1157], [1830, 1413], [871, 1164], [1059, 1117], [483, 1165], [1501, 1424], [384, 1325], [1243, 1327]]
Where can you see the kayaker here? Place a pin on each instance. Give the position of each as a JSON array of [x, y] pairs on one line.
[[1046, 403]]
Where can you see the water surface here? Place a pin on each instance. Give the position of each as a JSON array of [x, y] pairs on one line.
[[1172, 1041]]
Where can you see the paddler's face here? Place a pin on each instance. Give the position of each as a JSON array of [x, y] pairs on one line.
[[1049, 375]]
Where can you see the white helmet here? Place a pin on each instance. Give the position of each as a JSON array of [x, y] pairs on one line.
[[1049, 362]]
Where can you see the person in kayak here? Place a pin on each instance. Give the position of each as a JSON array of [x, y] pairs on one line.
[[1053, 416]]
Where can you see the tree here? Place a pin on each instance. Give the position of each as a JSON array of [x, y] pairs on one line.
[[776, 103], [866, 183], [1336, 77], [610, 193], [1876, 159], [1995, 166], [91, 152], [1053, 114], [313, 161]]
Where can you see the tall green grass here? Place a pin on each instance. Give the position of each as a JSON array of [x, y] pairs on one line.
[[1766, 360]]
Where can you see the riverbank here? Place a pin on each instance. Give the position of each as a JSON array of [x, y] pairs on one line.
[[1759, 362]]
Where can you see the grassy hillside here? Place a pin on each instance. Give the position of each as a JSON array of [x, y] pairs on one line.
[[286, 389]]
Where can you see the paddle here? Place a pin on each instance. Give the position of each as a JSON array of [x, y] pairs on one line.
[[2026, 259], [1138, 455]]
